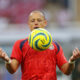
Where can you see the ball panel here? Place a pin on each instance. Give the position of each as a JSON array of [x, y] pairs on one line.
[[38, 47], [48, 43]]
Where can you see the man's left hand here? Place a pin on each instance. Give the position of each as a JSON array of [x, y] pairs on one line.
[[76, 55]]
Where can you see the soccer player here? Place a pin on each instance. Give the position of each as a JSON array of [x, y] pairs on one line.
[[38, 65]]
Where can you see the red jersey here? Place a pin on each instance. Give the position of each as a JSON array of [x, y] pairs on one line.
[[38, 65]]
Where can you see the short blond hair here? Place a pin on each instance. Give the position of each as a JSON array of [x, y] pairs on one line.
[[37, 11]]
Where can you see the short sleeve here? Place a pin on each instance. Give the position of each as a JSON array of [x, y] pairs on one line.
[[16, 52], [61, 59]]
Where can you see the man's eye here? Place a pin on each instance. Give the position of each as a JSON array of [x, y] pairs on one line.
[[39, 20], [32, 20]]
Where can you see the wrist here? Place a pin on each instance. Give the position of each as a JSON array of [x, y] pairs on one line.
[[8, 62], [71, 62]]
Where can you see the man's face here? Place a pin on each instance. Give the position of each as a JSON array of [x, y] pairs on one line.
[[36, 20]]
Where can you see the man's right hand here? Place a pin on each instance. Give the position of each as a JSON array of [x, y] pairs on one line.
[[11, 65], [4, 55]]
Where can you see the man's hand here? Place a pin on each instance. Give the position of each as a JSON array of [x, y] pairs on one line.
[[68, 67], [11, 65], [76, 55], [3, 55]]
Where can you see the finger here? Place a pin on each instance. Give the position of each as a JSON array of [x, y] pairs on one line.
[[77, 50], [76, 54], [72, 58], [6, 58], [3, 55], [0, 50], [79, 53]]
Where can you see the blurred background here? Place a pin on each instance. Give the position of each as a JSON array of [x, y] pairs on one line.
[[63, 22]]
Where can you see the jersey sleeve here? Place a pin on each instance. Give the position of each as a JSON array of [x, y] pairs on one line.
[[16, 52], [61, 59]]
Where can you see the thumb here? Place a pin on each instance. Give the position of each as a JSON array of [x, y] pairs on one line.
[[71, 58]]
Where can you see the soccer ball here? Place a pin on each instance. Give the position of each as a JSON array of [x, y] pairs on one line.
[[40, 39]]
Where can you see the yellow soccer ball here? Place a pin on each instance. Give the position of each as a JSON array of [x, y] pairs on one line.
[[40, 39]]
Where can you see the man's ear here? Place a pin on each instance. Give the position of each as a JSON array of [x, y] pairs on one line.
[[45, 23]]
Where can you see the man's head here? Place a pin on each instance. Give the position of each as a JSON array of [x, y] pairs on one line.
[[36, 20]]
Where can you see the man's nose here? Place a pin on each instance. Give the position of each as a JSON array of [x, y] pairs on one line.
[[36, 22]]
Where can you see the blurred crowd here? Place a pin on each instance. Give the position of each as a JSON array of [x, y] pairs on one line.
[[17, 11]]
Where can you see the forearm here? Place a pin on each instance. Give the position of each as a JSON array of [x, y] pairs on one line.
[[11, 67], [68, 68], [11, 64]]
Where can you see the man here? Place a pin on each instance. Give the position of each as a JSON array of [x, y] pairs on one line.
[[38, 65]]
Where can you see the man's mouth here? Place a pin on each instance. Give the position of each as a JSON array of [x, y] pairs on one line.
[[36, 27]]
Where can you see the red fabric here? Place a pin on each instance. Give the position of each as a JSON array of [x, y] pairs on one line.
[[16, 52], [38, 65], [61, 58]]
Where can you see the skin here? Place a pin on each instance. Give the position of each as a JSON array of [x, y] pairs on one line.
[[67, 68], [37, 20]]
